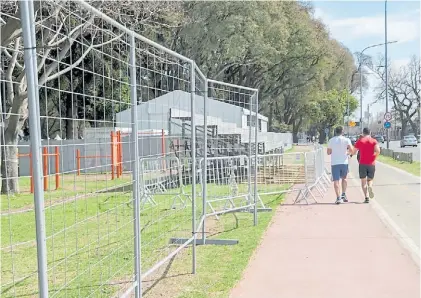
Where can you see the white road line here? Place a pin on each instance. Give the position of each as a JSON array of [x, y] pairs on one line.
[[403, 238]]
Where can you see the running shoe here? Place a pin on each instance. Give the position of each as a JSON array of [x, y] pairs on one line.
[[370, 192], [344, 198], [367, 200], [339, 201]]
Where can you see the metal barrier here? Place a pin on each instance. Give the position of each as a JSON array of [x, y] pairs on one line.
[[229, 184], [399, 156], [79, 70], [162, 177], [302, 172]]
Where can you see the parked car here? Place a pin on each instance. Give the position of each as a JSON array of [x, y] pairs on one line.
[[409, 141], [379, 139], [418, 138]]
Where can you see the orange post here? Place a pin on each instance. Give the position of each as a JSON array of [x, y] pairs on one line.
[[78, 161], [112, 155], [57, 164], [117, 145], [45, 167]]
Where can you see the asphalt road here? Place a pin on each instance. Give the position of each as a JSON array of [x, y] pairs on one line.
[[398, 193], [395, 146]]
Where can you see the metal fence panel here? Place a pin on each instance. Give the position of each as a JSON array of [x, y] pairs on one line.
[[129, 143]]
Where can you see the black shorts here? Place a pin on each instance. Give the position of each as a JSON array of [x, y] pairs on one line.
[[367, 171]]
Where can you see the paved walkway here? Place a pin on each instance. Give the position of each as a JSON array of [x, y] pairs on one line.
[[329, 251]]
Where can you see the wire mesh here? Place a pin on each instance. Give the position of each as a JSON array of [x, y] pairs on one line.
[[129, 143], [83, 71], [278, 172], [233, 148]]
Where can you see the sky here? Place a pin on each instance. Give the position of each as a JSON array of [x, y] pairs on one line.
[[358, 24]]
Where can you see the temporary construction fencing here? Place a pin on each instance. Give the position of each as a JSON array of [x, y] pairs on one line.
[[80, 70], [301, 172]]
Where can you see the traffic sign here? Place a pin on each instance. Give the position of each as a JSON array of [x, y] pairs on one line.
[[352, 123], [326, 130], [387, 124], [388, 116]]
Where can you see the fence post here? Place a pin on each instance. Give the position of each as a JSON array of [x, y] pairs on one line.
[[305, 169], [28, 32], [57, 166], [31, 172], [256, 130], [205, 160], [78, 161], [45, 167], [193, 164], [164, 165], [135, 171], [112, 155], [119, 155]]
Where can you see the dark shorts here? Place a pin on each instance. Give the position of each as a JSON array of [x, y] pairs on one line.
[[339, 171], [367, 171]]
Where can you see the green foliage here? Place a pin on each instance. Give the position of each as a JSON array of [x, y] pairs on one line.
[[276, 46]]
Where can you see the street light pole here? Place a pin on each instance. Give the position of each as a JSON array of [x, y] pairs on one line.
[[385, 66], [361, 76]]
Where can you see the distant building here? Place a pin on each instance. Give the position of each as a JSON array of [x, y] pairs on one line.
[[170, 110]]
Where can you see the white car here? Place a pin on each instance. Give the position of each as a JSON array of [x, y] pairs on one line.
[[409, 141]]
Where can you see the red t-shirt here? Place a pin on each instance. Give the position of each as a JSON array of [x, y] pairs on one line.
[[366, 147]]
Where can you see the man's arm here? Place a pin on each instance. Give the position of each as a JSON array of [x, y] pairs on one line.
[[329, 148], [355, 149], [350, 148], [377, 150]]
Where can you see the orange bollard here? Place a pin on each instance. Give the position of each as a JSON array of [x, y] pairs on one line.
[[45, 167], [57, 164], [112, 155], [78, 161], [120, 154]]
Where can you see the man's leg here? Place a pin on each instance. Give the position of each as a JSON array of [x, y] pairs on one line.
[[336, 175], [363, 177], [344, 175], [370, 178]]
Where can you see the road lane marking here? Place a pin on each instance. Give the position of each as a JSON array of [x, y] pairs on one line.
[[403, 238]]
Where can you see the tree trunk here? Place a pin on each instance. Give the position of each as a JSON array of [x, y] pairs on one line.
[[295, 133], [404, 128], [414, 127], [10, 166], [322, 136], [71, 115], [270, 120]]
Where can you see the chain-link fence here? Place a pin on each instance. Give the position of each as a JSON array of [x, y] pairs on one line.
[[116, 151]]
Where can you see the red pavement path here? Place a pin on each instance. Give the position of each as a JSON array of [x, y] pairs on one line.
[[329, 251]]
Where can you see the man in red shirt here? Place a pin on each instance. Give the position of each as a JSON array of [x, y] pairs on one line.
[[368, 149]]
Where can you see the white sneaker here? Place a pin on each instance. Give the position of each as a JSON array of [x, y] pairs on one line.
[[339, 201]]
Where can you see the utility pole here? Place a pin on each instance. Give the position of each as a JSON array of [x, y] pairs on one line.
[[386, 70], [361, 76]]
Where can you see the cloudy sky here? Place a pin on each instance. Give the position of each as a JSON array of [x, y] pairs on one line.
[[358, 24]]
